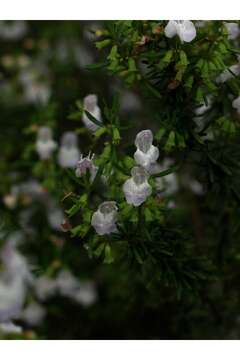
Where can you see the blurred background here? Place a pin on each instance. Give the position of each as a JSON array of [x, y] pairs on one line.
[[49, 288]]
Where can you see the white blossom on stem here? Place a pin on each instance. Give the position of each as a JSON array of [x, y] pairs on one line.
[[168, 184], [86, 164], [33, 314], [137, 188], [45, 287], [68, 153], [229, 74], [67, 283], [146, 154], [185, 30], [90, 103], [10, 328], [104, 219], [13, 282], [45, 144], [86, 295], [233, 30]]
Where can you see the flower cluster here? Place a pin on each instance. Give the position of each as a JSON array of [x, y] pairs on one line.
[[136, 189], [69, 152]]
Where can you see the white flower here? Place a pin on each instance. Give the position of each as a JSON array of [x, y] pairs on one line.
[[196, 187], [68, 153], [228, 74], [33, 314], [185, 29], [32, 188], [82, 55], [167, 184], [67, 283], [13, 282], [236, 104], [10, 328], [200, 119], [45, 287], [45, 145], [86, 164], [233, 30], [12, 297], [55, 216], [13, 30], [90, 103], [10, 200], [15, 264], [104, 219], [137, 188], [200, 110], [36, 89], [86, 295], [199, 24], [146, 154], [37, 93], [83, 292]]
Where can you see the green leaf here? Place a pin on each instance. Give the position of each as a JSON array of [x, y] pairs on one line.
[[116, 135], [183, 59], [108, 259], [113, 55], [96, 66], [165, 60], [138, 256], [93, 119], [102, 44], [74, 209], [160, 134], [98, 251], [148, 215], [128, 162], [200, 96], [180, 140], [154, 91], [170, 141], [132, 65], [100, 132], [189, 82], [80, 203]]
